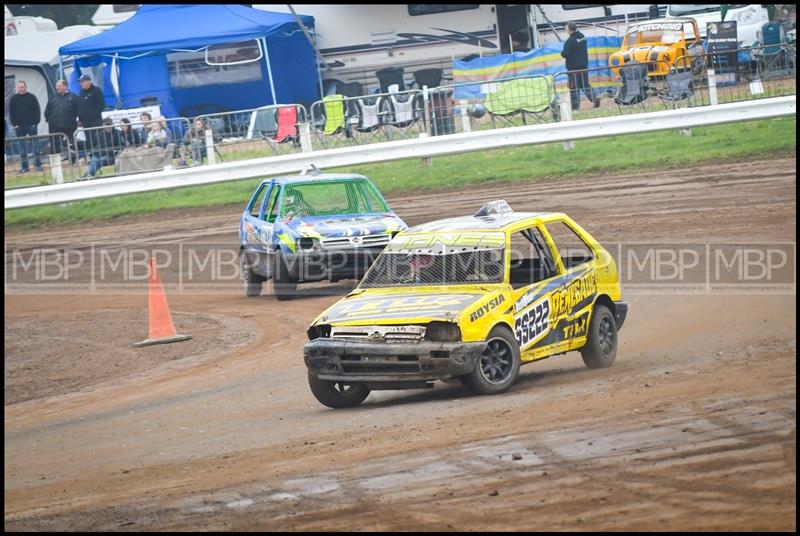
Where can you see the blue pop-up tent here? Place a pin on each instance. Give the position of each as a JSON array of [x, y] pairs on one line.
[[194, 59]]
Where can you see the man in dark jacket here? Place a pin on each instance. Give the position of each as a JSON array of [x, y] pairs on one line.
[[577, 59], [25, 114], [107, 143], [91, 104], [61, 114]]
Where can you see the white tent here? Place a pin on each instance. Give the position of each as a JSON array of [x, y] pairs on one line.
[[35, 59]]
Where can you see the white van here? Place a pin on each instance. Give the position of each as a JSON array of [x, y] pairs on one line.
[[749, 18]]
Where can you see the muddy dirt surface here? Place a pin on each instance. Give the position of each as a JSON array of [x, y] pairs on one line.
[[41, 349], [694, 427]]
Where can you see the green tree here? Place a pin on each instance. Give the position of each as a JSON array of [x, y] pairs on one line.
[[63, 15]]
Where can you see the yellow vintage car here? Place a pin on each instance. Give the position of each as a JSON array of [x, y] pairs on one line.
[[468, 298], [661, 44]]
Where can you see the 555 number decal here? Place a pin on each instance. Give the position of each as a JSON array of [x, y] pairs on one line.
[[533, 324]]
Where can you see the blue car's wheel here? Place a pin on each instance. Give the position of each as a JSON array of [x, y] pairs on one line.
[[252, 282], [283, 284]]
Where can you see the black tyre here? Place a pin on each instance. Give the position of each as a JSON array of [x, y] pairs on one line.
[[498, 367], [336, 395], [601, 348], [283, 284], [251, 280]]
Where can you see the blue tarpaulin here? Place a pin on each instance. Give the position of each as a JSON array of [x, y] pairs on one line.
[[160, 53]]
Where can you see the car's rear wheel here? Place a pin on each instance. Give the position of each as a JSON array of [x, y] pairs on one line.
[[283, 284], [252, 281], [337, 395], [601, 348], [498, 366]]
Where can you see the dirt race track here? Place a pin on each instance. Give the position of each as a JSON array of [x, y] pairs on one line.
[[694, 427]]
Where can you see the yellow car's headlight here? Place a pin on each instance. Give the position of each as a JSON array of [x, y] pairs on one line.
[[443, 332], [319, 330]]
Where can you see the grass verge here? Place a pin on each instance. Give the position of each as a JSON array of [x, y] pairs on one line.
[[764, 138]]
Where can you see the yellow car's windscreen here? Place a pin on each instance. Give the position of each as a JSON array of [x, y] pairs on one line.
[[439, 259], [664, 33]]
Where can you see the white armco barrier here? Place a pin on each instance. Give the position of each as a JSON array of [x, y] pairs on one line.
[[398, 150]]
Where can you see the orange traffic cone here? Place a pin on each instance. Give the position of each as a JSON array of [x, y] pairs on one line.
[[162, 330]]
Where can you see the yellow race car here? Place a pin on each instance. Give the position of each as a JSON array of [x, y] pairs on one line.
[[470, 298], [660, 44]]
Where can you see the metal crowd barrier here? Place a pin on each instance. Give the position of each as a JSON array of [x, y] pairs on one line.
[[275, 129], [42, 155], [339, 120], [137, 147], [745, 74], [633, 89], [513, 101], [690, 80]]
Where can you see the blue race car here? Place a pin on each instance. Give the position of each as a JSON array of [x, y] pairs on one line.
[[312, 227]]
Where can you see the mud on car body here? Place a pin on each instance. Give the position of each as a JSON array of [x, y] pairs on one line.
[[470, 298], [312, 227]]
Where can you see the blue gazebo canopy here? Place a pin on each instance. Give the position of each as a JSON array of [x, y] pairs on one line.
[[184, 27], [130, 61]]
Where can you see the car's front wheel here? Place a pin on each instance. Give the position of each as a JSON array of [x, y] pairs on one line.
[[252, 281], [283, 284], [601, 348], [337, 395], [498, 366]]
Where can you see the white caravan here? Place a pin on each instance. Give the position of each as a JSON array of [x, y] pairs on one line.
[[749, 18], [356, 40]]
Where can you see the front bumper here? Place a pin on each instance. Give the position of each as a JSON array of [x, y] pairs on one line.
[[350, 263], [390, 365]]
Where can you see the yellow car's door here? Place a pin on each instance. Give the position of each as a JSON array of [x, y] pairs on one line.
[[534, 276], [573, 300]]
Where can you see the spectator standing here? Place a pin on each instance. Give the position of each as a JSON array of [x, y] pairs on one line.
[[90, 110], [577, 61], [61, 114], [108, 143], [91, 103], [25, 114]]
